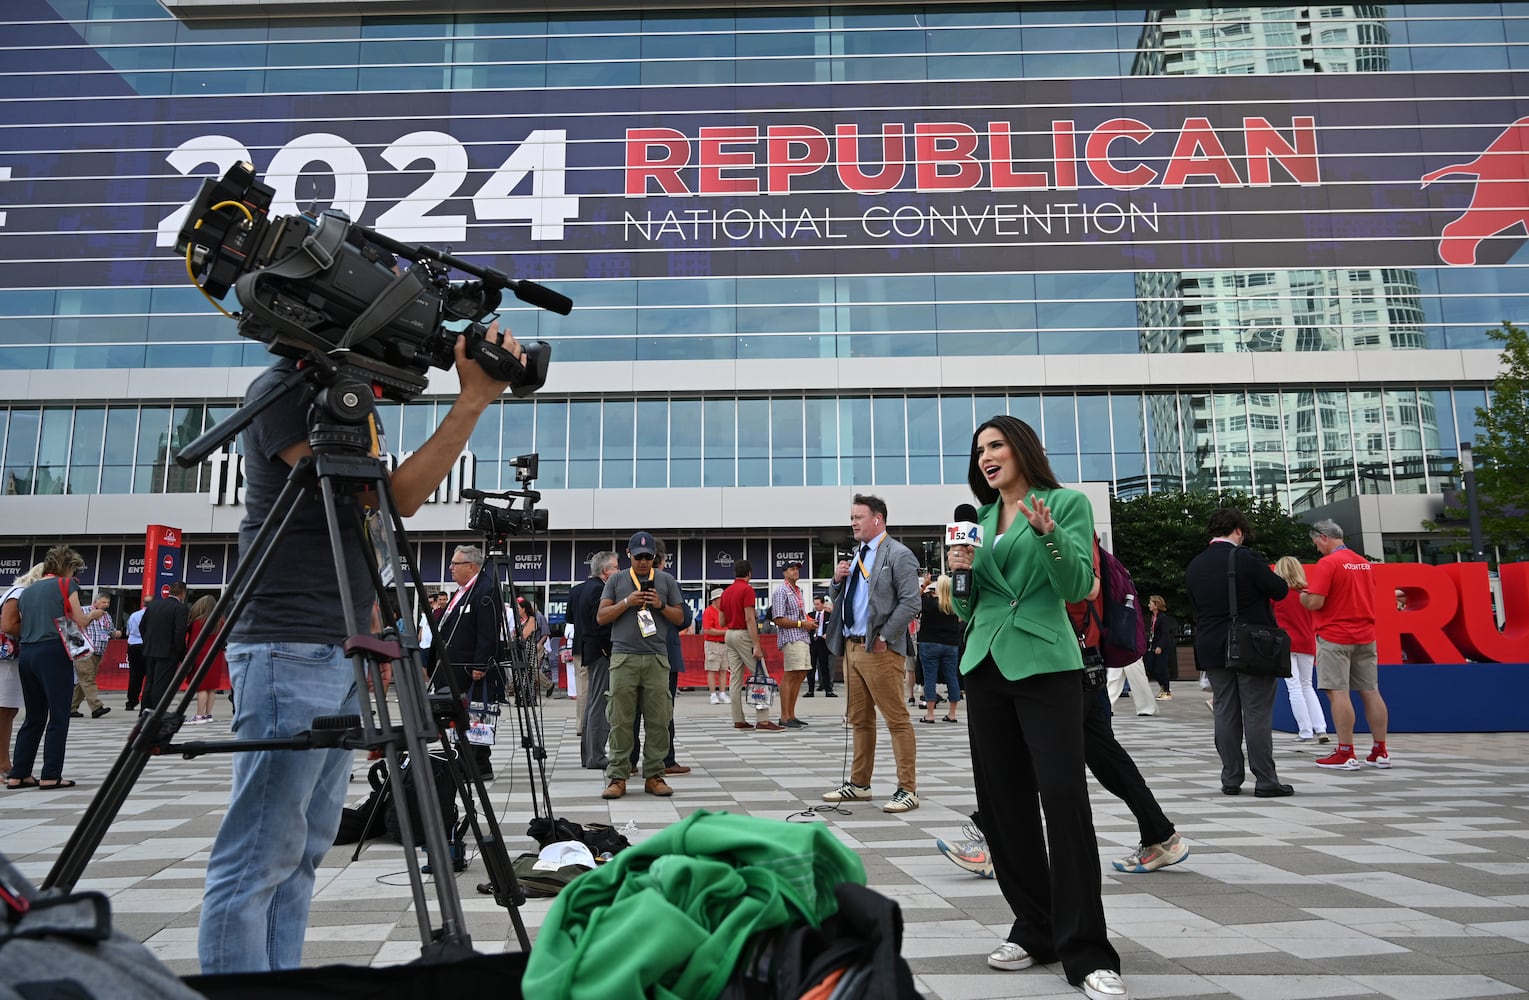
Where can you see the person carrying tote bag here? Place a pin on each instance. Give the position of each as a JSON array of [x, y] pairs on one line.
[[47, 672]]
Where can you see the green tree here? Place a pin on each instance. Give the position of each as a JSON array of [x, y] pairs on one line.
[[1501, 454], [1157, 534]]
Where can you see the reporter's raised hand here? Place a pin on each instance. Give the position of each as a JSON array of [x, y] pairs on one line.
[[477, 386]]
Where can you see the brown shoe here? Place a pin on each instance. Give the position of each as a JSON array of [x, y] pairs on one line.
[[615, 789], [769, 727], [743, 725], [636, 769], [677, 769], [656, 785]]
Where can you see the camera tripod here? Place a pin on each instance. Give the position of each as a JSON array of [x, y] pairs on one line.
[[344, 463]]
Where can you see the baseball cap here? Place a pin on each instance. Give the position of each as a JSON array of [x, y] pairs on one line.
[[795, 562], [716, 594], [641, 544]]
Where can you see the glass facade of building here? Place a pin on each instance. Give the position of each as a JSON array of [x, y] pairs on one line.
[[1304, 444]]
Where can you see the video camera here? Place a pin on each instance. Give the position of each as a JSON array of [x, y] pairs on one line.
[[330, 285], [500, 522]]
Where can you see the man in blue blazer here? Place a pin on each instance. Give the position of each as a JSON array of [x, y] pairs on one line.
[[875, 596]]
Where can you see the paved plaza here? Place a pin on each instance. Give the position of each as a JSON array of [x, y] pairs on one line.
[[1409, 884]]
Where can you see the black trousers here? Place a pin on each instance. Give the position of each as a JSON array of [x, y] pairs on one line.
[[1117, 772], [159, 674], [822, 666], [1027, 756], [137, 673]]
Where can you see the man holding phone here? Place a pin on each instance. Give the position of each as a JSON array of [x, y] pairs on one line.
[[640, 605]]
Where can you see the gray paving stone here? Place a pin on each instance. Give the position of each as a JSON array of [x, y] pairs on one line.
[[1404, 885]]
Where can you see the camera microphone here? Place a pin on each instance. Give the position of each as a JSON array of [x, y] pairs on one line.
[[474, 495], [963, 530]]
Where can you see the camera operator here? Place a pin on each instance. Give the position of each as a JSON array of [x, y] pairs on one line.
[[288, 666]]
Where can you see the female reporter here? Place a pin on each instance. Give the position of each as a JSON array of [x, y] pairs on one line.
[[1023, 674]]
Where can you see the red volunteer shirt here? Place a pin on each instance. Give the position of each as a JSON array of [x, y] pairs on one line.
[[711, 618], [1291, 615], [1348, 616]]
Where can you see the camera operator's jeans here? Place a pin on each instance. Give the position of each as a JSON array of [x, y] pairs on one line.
[[284, 809]]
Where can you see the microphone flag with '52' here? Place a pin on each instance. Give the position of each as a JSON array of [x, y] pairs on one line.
[[963, 530]]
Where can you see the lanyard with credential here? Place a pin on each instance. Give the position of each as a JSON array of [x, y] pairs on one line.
[[633, 574], [865, 574]]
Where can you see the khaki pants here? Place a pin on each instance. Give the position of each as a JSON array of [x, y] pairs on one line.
[[874, 681], [85, 686], [740, 667], [582, 687]]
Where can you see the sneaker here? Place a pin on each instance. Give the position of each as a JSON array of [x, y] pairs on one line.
[[716, 698], [615, 789], [902, 801], [807, 694], [1321, 737], [1104, 984], [727, 699], [1009, 957], [1164, 696], [1378, 758], [656, 785], [1151, 857], [971, 853], [1342, 759], [849, 792], [794, 724]]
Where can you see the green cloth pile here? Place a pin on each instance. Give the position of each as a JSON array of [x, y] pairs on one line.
[[668, 918]]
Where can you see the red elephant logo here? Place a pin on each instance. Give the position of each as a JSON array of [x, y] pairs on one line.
[[1501, 197]]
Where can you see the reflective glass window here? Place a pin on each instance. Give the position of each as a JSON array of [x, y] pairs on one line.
[[1436, 413], [153, 449], [185, 427], [1164, 441], [787, 441], [1468, 422], [584, 445], [117, 462], [552, 443], [923, 440], [21, 451], [652, 427], [956, 428], [889, 435], [1060, 435], [753, 442], [53, 450], [1339, 469], [822, 425], [855, 440], [685, 442], [485, 447], [1129, 444], [720, 454], [616, 448], [1095, 458], [1026, 408], [1404, 438], [418, 424]]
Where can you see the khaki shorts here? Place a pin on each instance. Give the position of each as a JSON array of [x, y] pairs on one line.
[[1346, 668], [798, 656], [714, 656]]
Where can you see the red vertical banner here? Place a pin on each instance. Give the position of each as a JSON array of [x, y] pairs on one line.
[[161, 560]]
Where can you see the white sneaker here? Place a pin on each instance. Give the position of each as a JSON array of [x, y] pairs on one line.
[[727, 699], [1009, 957], [1104, 984], [716, 697], [902, 801], [849, 792]]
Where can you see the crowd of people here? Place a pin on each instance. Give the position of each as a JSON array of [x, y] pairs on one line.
[[1011, 647]]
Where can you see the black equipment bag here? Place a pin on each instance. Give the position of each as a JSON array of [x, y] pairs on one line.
[[1261, 650]]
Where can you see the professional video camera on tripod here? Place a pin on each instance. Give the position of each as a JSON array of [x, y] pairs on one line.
[[325, 295]]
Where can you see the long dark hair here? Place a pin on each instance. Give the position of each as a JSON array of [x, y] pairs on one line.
[[1026, 446]]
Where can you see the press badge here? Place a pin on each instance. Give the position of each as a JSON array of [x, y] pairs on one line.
[[645, 623]]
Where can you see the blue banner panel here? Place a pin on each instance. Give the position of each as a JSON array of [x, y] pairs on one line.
[[528, 561], [15, 560], [206, 564], [1439, 698], [109, 562], [722, 554], [1138, 174]]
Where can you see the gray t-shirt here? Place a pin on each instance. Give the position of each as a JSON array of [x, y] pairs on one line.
[[626, 637], [39, 604], [298, 599]]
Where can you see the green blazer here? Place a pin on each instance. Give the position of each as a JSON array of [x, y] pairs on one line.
[[1017, 610]]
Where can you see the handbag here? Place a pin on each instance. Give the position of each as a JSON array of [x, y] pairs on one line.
[[483, 720], [761, 688], [75, 642], [1259, 650]]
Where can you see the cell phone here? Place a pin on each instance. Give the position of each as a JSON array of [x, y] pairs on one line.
[[647, 585]]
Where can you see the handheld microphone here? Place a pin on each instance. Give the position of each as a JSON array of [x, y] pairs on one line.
[[964, 530]]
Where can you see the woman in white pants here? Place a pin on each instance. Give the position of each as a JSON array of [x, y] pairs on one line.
[[1295, 619]]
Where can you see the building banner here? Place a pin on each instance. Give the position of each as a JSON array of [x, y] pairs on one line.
[[161, 560], [1150, 173]]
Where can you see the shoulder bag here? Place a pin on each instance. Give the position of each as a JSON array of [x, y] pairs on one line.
[[75, 643], [1261, 650]]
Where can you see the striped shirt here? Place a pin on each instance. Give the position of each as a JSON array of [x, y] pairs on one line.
[[99, 633], [786, 602]]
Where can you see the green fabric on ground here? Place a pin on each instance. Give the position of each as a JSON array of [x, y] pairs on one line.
[[668, 918]]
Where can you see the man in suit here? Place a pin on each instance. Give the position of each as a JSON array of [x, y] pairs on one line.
[[592, 643], [1243, 703], [164, 640], [875, 595], [822, 673], [469, 631]]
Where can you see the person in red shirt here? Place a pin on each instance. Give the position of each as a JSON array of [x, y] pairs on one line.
[[711, 628], [1291, 615], [1340, 593], [741, 641]]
